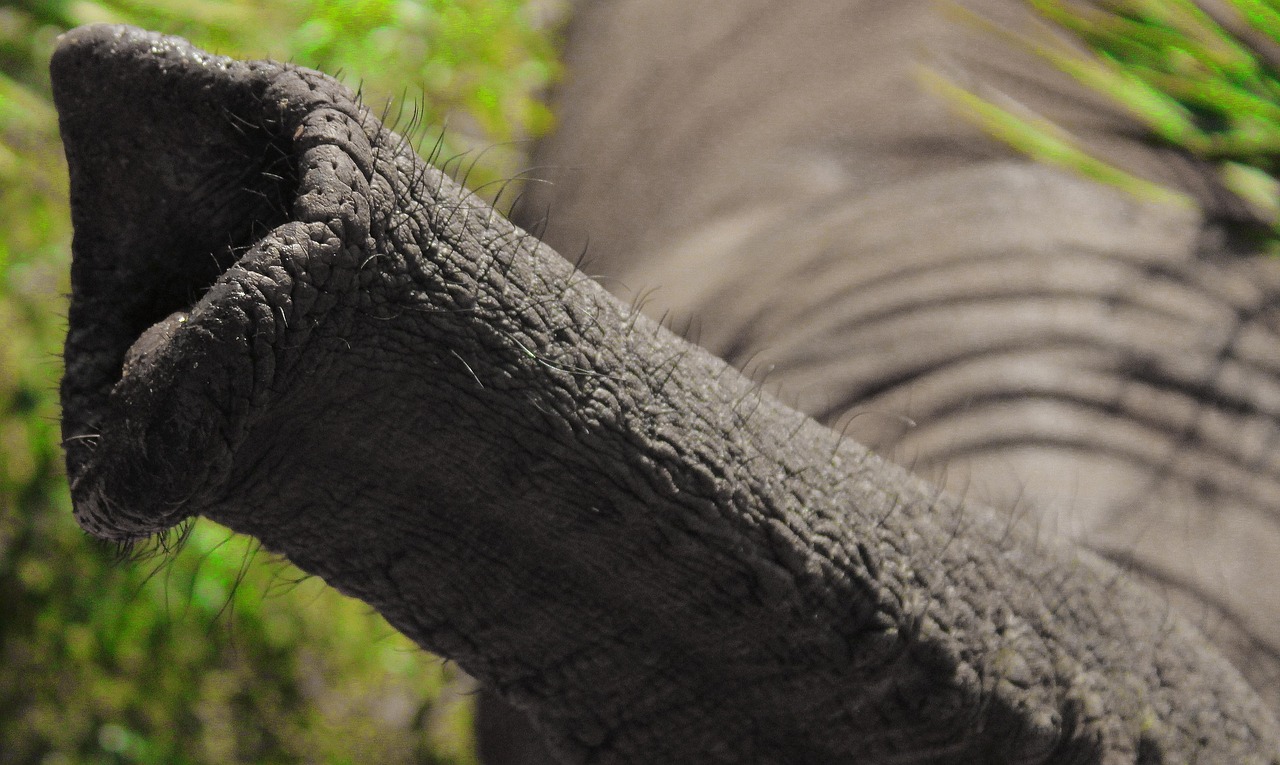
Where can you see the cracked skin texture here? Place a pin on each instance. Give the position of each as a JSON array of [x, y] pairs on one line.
[[334, 348]]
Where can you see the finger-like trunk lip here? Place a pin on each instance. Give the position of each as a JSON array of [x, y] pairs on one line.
[[170, 326]]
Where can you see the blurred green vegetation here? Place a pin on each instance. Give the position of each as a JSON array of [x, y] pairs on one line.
[[215, 653], [1197, 76]]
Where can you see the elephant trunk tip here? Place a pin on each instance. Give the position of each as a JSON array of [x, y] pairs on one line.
[[178, 165]]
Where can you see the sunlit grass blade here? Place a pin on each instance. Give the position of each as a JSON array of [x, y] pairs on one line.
[[1045, 142], [1263, 16], [1189, 36], [1256, 187], [1159, 112], [1203, 78]]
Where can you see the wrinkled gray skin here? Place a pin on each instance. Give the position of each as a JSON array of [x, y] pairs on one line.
[[1029, 340], [283, 320]]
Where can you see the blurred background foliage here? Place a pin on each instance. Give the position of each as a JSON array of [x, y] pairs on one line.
[[216, 653], [1198, 76]]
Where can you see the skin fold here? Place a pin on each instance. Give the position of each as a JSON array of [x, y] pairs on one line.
[[772, 179], [285, 321]]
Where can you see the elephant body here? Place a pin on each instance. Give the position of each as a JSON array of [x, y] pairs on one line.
[[784, 189], [283, 320]]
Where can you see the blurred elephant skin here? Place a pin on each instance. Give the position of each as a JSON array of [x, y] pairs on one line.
[[283, 320]]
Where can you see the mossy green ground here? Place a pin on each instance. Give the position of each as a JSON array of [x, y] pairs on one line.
[[215, 652]]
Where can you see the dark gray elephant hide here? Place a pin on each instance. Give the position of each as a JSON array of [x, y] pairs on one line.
[[772, 177], [283, 320]]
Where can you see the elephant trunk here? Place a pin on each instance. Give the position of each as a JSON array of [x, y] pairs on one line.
[[285, 321]]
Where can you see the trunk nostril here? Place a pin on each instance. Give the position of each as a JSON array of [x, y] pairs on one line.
[[178, 165]]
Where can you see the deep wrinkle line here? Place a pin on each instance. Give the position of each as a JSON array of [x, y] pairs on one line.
[[851, 323], [869, 393], [1180, 275]]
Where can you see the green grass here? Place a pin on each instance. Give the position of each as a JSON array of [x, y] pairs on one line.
[[1208, 85], [216, 653]]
